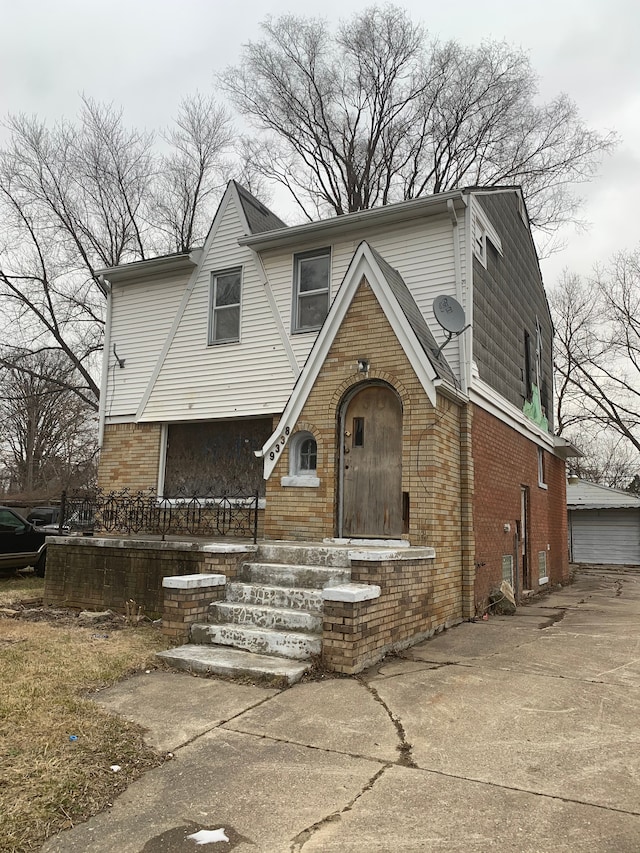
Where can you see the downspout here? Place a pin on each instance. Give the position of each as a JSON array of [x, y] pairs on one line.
[[467, 475], [104, 381], [462, 349]]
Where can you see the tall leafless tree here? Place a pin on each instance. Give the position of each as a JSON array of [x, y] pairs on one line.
[[379, 112], [77, 197], [47, 433], [597, 353]]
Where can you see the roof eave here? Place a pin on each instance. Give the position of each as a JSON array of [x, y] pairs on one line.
[[385, 215], [184, 262]]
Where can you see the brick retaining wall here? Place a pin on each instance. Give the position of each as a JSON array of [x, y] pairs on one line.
[[95, 574]]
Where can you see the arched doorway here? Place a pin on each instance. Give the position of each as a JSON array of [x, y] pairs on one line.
[[370, 504]]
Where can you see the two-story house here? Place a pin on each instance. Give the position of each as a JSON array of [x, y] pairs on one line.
[[307, 362]]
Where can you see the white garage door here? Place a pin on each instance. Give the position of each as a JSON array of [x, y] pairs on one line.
[[605, 536]]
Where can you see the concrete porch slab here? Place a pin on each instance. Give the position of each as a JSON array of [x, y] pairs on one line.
[[226, 661]]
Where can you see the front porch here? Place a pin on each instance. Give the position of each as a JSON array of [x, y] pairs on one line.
[[352, 603]]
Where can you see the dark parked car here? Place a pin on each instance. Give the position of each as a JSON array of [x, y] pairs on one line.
[[21, 543], [42, 516]]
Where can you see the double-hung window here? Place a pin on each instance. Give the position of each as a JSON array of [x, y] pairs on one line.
[[224, 316], [311, 289]]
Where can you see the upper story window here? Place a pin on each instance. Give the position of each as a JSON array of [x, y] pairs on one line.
[[483, 232], [310, 289], [479, 241], [224, 316]]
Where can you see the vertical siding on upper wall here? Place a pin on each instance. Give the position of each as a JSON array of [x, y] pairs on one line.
[[142, 315], [251, 377], [508, 296]]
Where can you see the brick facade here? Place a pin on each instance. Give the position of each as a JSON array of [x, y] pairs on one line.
[[504, 461], [415, 601], [130, 457], [436, 460]]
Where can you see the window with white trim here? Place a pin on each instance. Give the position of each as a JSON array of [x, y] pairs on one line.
[[543, 574], [310, 289], [303, 461], [541, 472], [224, 312], [479, 241]]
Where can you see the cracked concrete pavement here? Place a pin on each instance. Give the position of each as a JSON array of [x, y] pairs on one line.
[[518, 734]]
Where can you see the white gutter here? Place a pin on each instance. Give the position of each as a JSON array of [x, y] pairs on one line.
[[405, 210], [462, 349], [165, 264], [104, 379]]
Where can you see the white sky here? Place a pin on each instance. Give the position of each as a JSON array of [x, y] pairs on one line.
[[145, 55]]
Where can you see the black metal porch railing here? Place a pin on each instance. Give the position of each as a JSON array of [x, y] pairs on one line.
[[145, 513]]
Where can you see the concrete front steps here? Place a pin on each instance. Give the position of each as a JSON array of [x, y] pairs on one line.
[[270, 625]]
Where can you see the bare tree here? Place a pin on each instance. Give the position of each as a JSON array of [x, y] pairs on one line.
[[607, 459], [48, 433], [190, 175], [378, 112], [597, 353], [75, 198]]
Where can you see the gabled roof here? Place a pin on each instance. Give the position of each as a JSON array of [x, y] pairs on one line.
[[584, 495], [259, 218], [405, 319], [414, 317]]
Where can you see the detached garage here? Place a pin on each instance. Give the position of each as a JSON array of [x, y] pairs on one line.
[[604, 524]]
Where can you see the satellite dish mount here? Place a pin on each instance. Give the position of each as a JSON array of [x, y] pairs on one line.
[[450, 315]]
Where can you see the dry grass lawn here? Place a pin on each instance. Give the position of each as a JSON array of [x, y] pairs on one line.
[[56, 746]]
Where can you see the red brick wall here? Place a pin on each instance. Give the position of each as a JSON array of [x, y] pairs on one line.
[[504, 460]]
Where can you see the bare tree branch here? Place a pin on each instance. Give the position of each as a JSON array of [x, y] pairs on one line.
[[379, 112]]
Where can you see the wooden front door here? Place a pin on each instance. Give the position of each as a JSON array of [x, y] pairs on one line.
[[371, 464]]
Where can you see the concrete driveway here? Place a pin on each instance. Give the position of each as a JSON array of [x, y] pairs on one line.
[[520, 733]]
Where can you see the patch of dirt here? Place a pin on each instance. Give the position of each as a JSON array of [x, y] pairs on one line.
[[32, 610]]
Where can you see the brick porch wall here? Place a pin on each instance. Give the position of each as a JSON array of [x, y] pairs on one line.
[[96, 574], [415, 601]]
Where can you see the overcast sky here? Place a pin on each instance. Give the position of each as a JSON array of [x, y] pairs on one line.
[[145, 55]]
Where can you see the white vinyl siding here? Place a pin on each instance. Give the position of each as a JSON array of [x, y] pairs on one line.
[[421, 252], [604, 536], [142, 315], [201, 382], [197, 381]]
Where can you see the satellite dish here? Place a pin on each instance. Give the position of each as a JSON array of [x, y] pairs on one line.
[[449, 314]]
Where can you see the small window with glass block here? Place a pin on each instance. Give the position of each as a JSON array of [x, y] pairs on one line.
[[311, 289], [224, 314]]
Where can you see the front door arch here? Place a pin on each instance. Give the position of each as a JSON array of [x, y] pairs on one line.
[[370, 487]]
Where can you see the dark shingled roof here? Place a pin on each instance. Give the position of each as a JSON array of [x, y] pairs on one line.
[[415, 318], [259, 217]]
